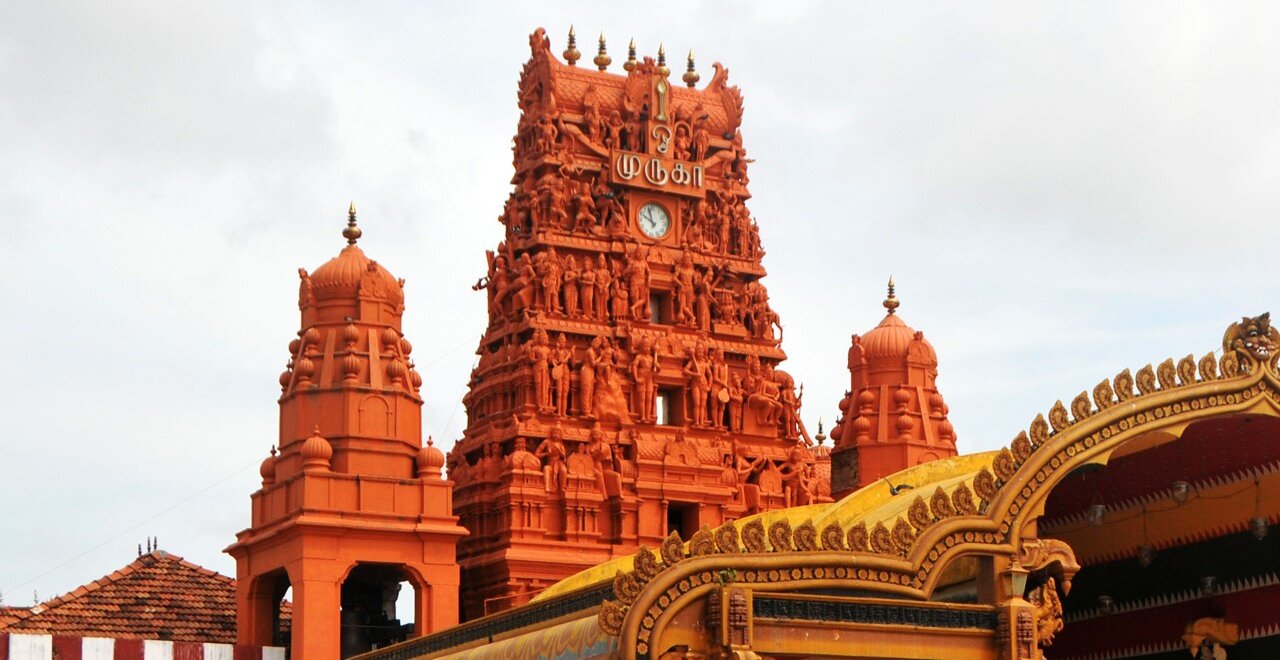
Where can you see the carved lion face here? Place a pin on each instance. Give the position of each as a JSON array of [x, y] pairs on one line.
[[1257, 337]]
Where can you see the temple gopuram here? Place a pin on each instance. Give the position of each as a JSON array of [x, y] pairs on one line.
[[635, 482], [628, 382]]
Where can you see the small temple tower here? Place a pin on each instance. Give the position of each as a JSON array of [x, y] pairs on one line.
[[354, 504], [893, 416], [627, 385]]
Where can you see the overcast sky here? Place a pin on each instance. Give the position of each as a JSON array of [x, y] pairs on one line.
[[1060, 191]]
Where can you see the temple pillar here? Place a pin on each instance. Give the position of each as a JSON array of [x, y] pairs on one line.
[[317, 631]]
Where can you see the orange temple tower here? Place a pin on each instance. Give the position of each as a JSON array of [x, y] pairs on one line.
[[354, 504], [893, 416], [627, 382]]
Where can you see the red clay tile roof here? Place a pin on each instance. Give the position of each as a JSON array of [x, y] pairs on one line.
[[11, 613], [159, 596]]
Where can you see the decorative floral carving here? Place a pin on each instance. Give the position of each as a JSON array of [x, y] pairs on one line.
[[1081, 407], [646, 564], [962, 501], [1146, 380], [1039, 554], [1103, 396], [832, 537], [702, 543], [1230, 365], [610, 619], [1187, 370], [1058, 417], [727, 538], [1208, 367], [984, 485], [1124, 386], [941, 504], [903, 536], [1003, 465], [1039, 431], [780, 535], [1021, 447], [1167, 374], [753, 537], [672, 549], [882, 540], [625, 587], [806, 536], [919, 514], [858, 539]]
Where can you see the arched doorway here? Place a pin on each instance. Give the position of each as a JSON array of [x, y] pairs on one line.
[[373, 607]]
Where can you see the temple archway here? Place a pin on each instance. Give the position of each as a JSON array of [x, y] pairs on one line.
[[370, 616]]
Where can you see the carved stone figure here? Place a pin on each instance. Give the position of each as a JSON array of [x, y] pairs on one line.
[[538, 352], [603, 281], [587, 288], [585, 217], [621, 295], [644, 367], [521, 458], [552, 452], [570, 288], [1048, 611], [560, 372], [719, 392], [638, 278], [684, 289], [587, 379], [698, 370]]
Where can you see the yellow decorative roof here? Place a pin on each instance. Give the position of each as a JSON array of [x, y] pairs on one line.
[[871, 503]]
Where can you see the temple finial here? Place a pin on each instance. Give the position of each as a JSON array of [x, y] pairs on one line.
[[571, 54], [602, 59], [352, 233], [663, 69], [891, 303], [691, 76], [631, 57]]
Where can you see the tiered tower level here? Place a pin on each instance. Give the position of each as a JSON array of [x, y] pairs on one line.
[[353, 504], [627, 384]]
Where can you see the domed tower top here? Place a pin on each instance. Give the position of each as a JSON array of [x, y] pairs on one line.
[[350, 356], [893, 416], [351, 285]]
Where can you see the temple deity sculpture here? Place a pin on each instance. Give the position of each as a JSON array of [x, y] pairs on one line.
[[552, 452], [570, 286], [521, 458], [644, 368], [603, 281], [587, 378], [698, 370], [587, 288], [560, 373], [719, 392], [638, 278], [538, 351]]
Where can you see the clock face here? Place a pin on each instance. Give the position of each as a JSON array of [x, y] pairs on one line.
[[654, 220]]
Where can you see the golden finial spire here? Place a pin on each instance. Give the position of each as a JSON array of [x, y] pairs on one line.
[[351, 232], [663, 70], [602, 59], [691, 77], [571, 53], [631, 57], [891, 303]]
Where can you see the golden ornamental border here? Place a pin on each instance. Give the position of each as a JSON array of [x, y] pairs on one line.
[[902, 558]]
